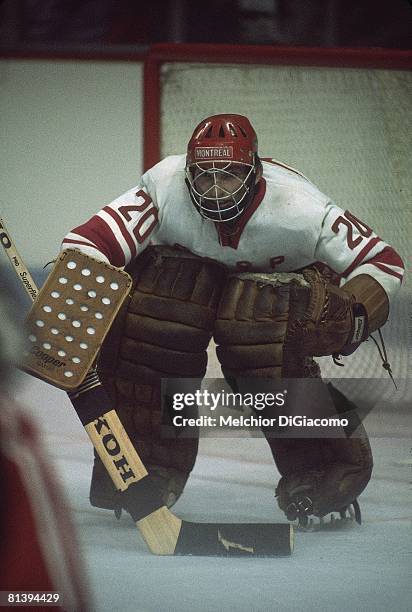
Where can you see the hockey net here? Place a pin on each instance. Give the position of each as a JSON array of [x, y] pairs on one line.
[[345, 128]]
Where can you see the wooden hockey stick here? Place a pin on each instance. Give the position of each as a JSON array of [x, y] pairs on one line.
[[164, 533], [17, 262]]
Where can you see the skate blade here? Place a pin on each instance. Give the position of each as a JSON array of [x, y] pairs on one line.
[[330, 523]]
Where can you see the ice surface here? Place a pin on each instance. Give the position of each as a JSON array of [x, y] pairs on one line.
[[366, 568]]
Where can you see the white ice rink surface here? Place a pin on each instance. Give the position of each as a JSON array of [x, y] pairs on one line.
[[366, 568]]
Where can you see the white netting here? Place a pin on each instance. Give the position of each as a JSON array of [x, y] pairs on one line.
[[346, 129]]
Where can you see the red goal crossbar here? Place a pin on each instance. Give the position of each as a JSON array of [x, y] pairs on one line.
[[246, 54]]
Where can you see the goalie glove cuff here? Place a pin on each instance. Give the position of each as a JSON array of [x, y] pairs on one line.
[[360, 330], [372, 296]]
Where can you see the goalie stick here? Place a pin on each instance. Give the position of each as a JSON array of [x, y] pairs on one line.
[[164, 532]]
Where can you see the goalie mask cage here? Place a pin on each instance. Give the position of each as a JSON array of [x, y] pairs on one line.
[[340, 116]]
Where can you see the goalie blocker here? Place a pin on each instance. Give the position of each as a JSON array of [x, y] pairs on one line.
[[71, 317]]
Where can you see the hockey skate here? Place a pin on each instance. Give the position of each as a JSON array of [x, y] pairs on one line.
[[300, 510]]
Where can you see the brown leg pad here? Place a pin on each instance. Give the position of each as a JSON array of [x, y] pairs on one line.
[[163, 331]]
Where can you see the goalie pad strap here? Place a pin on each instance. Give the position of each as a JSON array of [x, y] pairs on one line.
[[91, 405]]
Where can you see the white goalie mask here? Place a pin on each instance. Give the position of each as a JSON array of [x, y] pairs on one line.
[[221, 167]]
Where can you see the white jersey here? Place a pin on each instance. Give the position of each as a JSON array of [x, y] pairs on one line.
[[289, 225]]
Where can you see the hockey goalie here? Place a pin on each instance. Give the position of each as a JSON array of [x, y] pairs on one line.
[[206, 236]]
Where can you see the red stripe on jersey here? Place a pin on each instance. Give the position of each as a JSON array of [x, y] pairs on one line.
[[69, 240], [232, 239], [387, 270], [361, 256], [122, 228], [389, 257], [99, 232], [275, 162]]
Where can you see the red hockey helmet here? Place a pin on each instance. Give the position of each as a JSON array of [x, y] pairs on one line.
[[221, 166]]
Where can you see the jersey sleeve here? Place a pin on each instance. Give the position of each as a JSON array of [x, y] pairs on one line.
[[121, 230], [350, 247]]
